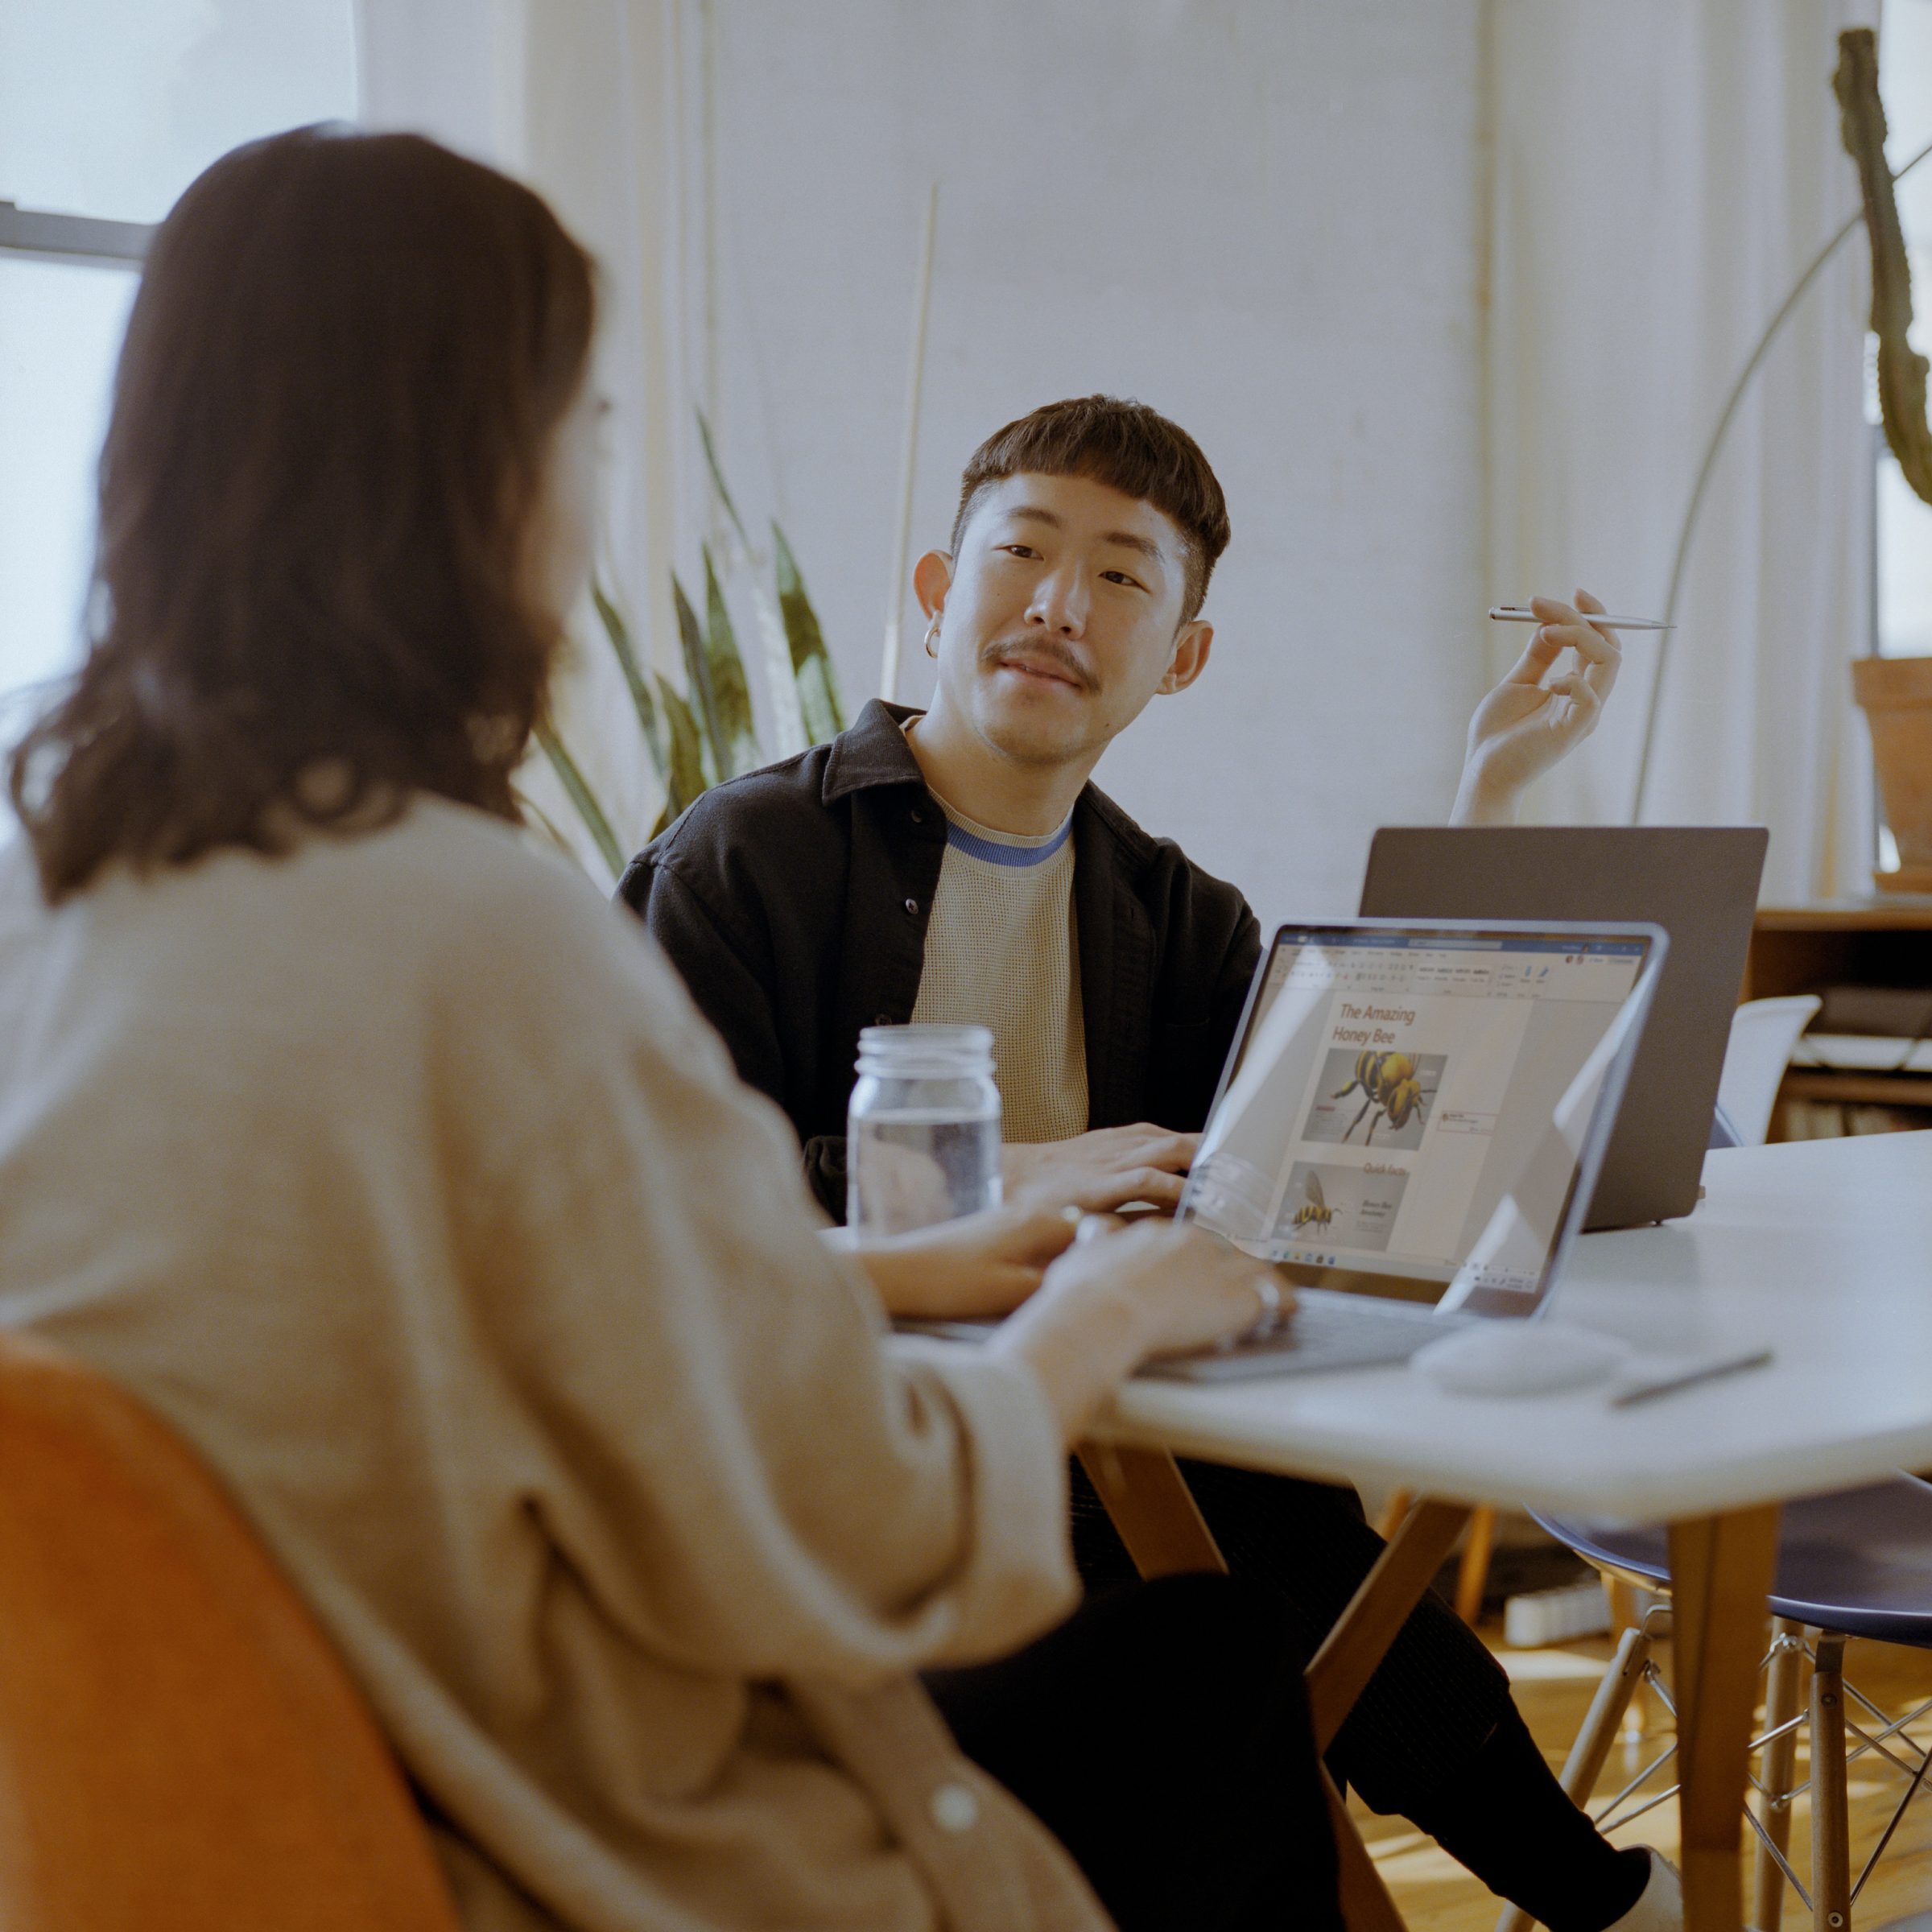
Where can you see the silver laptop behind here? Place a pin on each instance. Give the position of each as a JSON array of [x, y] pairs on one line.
[[1410, 1124]]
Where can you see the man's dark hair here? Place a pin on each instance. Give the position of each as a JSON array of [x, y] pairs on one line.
[[332, 417], [1129, 448]]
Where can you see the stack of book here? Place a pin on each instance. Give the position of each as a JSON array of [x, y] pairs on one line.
[[1882, 1034]]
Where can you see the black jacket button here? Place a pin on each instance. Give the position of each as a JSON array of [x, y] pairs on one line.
[[912, 909]]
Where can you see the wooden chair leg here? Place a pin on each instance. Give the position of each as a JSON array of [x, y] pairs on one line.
[[1830, 1850], [1625, 1615], [1587, 1755], [1623, 1606], [1472, 1576], [1778, 1773]]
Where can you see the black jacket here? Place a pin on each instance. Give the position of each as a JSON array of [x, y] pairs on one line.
[[794, 901]]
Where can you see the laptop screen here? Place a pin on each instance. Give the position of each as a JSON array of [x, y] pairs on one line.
[[1417, 1103]]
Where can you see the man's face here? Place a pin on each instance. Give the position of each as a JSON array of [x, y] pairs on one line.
[[1060, 617]]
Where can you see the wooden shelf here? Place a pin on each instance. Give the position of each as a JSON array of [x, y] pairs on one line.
[[1842, 942], [1882, 941], [1828, 1083]]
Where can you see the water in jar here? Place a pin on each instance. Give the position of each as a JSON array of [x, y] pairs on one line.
[[908, 1170], [922, 1141]]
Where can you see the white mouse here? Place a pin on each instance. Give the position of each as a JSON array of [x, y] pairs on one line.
[[1519, 1358]]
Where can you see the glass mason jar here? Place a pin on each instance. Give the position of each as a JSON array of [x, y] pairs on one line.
[[922, 1134]]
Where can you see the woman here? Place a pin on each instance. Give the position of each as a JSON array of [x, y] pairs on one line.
[[378, 1154]]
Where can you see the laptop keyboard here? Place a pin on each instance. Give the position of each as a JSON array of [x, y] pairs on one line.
[[1325, 1329]]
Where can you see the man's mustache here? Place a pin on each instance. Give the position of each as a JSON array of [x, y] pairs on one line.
[[1040, 650]]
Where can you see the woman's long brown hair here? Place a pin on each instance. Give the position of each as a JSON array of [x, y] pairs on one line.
[[331, 417]]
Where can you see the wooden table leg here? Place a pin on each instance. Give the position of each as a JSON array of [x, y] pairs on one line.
[[1366, 1903], [1721, 1569], [1364, 1632], [1159, 1522], [1472, 1579], [1152, 1507]]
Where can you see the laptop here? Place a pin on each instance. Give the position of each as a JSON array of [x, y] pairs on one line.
[[1699, 882], [1409, 1124]]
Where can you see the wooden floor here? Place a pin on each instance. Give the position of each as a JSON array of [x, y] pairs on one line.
[[1553, 1689]]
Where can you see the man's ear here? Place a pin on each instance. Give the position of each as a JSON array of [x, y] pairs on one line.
[[931, 579], [1191, 644]]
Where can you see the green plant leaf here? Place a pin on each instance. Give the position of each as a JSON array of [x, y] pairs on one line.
[[811, 661], [687, 780], [582, 798], [697, 678], [619, 634], [735, 742], [535, 814], [786, 718], [717, 481]]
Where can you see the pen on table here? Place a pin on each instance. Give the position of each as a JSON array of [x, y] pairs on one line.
[[1515, 614], [1691, 1378]]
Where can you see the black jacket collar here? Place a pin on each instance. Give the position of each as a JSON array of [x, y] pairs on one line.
[[872, 752]]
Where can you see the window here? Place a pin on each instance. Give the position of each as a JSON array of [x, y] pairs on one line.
[[108, 109]]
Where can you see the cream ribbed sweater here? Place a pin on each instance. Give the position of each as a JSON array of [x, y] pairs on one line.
[[1002, 951]]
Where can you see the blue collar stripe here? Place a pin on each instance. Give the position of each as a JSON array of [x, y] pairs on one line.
[[991, 854]]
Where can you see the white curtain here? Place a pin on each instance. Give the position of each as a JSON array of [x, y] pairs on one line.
[[1662, 172], [582, 99]]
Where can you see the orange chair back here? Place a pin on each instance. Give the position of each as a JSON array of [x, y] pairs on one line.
[[179, 1745]]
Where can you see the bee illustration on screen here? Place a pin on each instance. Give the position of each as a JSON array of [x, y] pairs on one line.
[[1313, 1211], [1393, 1093]]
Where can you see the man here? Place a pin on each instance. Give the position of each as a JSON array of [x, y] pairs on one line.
[[957, 864]]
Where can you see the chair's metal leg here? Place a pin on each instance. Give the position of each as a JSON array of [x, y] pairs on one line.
[[1830, 1828], [1587, 1755], [1781, 1687]]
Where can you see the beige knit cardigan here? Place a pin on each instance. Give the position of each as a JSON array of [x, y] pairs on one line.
[[399, 1174]]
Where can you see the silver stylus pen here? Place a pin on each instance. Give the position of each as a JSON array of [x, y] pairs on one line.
[[1515, 614], [1691, 1378]]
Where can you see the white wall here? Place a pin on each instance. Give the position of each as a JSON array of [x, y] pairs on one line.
[[1263, 216]]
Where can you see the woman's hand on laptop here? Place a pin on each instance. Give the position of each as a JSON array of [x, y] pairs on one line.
[[980, 1266], [1109, 1303], [1105, 1169], [1531, 719]]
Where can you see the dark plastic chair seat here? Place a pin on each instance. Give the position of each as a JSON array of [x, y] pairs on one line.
[[1858, 1562]]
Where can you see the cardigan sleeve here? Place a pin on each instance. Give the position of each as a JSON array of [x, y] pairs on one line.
[[740, 1473]]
